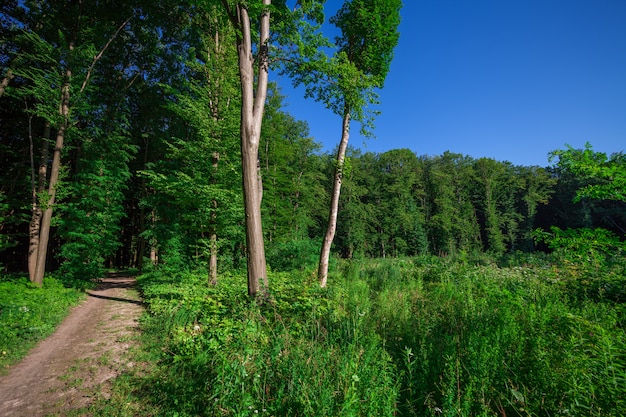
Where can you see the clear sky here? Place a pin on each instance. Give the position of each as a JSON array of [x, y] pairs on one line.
[[506, 79]]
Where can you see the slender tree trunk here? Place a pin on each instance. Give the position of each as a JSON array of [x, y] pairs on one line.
[[251, 118], [5, 81], [35, 222], [44, 235], [213, 235], [154, 255], [141, 241], [322, 272]]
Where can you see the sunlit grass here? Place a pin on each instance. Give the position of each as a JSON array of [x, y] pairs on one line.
[[424, 336], [29, 314]]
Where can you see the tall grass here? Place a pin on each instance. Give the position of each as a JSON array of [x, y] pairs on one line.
[[480, 340], [413, 337], [294, 355]]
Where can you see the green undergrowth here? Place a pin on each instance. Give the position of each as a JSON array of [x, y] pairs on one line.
[[483, 340], [414, 337], [29, 314], [223, 354]]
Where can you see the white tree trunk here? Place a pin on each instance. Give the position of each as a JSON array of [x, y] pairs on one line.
[[322, 272]]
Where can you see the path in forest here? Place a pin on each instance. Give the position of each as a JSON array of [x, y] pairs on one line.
[[69, 369]]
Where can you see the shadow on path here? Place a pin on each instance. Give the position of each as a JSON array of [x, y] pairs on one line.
[[115, 281], [124, 300]]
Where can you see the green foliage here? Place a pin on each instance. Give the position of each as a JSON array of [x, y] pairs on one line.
[[293, 255], [415, 336], [5, 241], [608, 174], [369, 35], [590, 262], [305, 352], [346, 81], [29, 313], [91, 216], [292, 178]]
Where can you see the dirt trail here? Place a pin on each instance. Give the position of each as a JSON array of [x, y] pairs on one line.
[[69, 369]]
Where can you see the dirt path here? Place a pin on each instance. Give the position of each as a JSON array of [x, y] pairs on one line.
[[68, 369]]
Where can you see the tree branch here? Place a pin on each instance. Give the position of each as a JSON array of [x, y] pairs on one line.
[[97, 57]]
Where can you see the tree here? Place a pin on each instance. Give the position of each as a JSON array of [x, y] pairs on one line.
[[599, 178], [607, 173], [41, 78], [252, 106], [293, 29], [489, 175], [401, 215], [453, 223], [345, 83], [536, 187], [358, 213], [209, 105], [57, 62]]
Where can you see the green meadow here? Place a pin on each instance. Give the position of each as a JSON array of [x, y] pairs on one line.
[[423, 336]]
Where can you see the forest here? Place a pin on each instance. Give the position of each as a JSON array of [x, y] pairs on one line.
[[152, 137]]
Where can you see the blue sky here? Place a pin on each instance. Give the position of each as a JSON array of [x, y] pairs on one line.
[[506, 79]]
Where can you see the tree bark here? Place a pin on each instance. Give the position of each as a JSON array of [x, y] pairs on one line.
[[252, 107], [46, 219], [5, 81], [35, 222], [322, 272]]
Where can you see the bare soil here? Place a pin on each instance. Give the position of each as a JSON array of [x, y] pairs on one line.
[[70, 369]]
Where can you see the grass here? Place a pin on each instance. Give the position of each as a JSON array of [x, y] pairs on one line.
[[28, 314], [409, 337]]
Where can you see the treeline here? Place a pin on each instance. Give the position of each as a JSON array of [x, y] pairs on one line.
[[399, 204], [119, 130]]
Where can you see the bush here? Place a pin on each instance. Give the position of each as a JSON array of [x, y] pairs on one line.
[[293, 255]]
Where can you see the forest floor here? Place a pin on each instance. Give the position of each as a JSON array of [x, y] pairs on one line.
[[75, 365]]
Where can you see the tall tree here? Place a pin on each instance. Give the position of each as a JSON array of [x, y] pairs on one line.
[[536, 187], [346, 82], [295, 27], [401, 213], [489, 176], [252, 106], [453, 225]]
